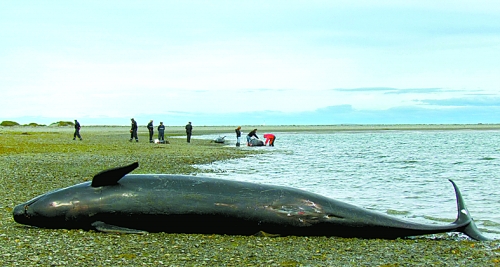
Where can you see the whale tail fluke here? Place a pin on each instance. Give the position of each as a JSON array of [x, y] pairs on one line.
[[469, 227], [112, 176]]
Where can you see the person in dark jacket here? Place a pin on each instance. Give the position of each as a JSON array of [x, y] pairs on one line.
[[133, 130], [251, 134], [238, 135], [151, 131], [161, 132], [189, 131], [77, 131]]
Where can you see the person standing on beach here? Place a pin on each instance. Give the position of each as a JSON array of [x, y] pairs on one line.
[[238, 135], [189, 131], [151, 131], [269, 139], [133, 131], [251, 134], [161, 132], [77, 131]]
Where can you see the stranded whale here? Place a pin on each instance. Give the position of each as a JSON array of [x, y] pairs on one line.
[[116, 201]]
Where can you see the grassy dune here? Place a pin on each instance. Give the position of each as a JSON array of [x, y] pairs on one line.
[[35, 160]]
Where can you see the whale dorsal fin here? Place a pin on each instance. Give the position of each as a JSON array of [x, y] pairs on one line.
[[112, 176]]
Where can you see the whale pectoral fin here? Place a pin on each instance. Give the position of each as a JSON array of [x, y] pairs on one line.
[[264, 234], [108, 228]]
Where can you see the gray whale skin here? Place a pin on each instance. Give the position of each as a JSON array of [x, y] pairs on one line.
[[116, 201]]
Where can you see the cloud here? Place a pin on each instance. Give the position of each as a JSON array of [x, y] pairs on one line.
[[390, 90], [335, 109], [330, 115], [366, 89], [421, 91], [464, 102]]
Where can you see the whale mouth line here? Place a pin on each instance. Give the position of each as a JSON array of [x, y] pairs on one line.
[[21, 213]]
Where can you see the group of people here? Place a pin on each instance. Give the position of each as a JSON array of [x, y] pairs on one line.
[[160, 128], [189, 130], [269, 137], [161, 131]]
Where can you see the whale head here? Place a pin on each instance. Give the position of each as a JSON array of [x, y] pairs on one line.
[[70, 207], [62, 208]]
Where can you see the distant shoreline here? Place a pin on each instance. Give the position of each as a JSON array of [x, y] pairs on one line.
[[201, 130]]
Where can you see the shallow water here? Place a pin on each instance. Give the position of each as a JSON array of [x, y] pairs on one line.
[[401, 173]]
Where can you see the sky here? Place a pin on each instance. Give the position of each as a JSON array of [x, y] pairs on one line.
[[250, 62]]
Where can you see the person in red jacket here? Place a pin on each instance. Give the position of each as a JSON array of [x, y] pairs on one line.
[[269, 139]]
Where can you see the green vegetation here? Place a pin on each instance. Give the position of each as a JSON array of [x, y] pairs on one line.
[[63, 123], [34, 124], [9, 123]]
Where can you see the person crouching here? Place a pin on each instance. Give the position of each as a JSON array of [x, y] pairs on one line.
[[269, 139]]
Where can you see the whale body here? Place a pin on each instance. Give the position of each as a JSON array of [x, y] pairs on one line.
[[256, 142], [116, 201]]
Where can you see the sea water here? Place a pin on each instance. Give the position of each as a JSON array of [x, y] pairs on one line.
[[400, 173]]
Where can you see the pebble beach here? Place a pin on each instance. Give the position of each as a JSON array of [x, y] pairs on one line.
[[35, 160]]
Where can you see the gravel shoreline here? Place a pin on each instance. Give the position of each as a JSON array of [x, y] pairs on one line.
[[41, 247], [39, 160]]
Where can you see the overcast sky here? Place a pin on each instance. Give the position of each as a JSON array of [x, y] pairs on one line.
[[103, 61]]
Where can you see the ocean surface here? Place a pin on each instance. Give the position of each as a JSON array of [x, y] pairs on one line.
[[400, 173]]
